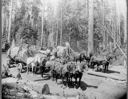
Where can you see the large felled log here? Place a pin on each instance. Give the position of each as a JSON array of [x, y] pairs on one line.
[[106, 75]]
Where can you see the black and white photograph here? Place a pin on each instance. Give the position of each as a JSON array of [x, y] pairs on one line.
[[64, 49]]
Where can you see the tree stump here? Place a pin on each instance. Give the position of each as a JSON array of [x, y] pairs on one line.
[[45, 89]]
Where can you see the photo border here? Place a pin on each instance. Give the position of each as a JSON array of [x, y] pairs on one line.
[[1, 46]]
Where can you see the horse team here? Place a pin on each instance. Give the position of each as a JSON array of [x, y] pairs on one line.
[[61, 62]]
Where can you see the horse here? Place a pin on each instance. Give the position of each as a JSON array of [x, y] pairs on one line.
[[65, 74], [43, 69], [104, 63], [30, 61], [80, 67], [79, 56]]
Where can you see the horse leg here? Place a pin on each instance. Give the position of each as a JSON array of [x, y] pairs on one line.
[[98, 67], [103, 68], [62, 79], [67, 81], [53, 75], [80, 77], [56, 77], [80, 60], [76, 60], [21, 67], [32, 69], [42, 70], [76, 81], [75, 76], [42, 73], [106, 67], [71, 78], [27, 68]]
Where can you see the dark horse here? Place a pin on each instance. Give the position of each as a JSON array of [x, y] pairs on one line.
[[104, 63], [80, 57], [79, 72], [42, 67], [87, 58]]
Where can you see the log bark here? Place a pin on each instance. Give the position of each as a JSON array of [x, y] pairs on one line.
[[106, 75]]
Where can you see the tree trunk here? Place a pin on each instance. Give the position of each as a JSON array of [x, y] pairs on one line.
[[52, 37], [90, 31], [2, 21], [114, 33], [110, 46], [10, 17], [125, 24], [69, 38], [42, 34], [57, 34], [61, 26], [102, 8], [86, 8], [31, 19], [106, 41], [118, 22]]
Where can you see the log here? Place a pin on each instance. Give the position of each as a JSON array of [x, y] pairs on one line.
[[106, 75], [51, 97], [59, 97], [32, 87], [28, 86]]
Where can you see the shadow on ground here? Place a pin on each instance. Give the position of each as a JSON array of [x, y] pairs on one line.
[[109, 71], [112, 71], [82, 85]]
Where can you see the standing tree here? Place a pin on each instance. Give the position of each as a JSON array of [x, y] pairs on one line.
[[10, 17], [102, 8], [61, 23], [125, 22], [42, 34], [90, 30]]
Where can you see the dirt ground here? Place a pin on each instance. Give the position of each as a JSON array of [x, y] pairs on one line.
[[92, 86]]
